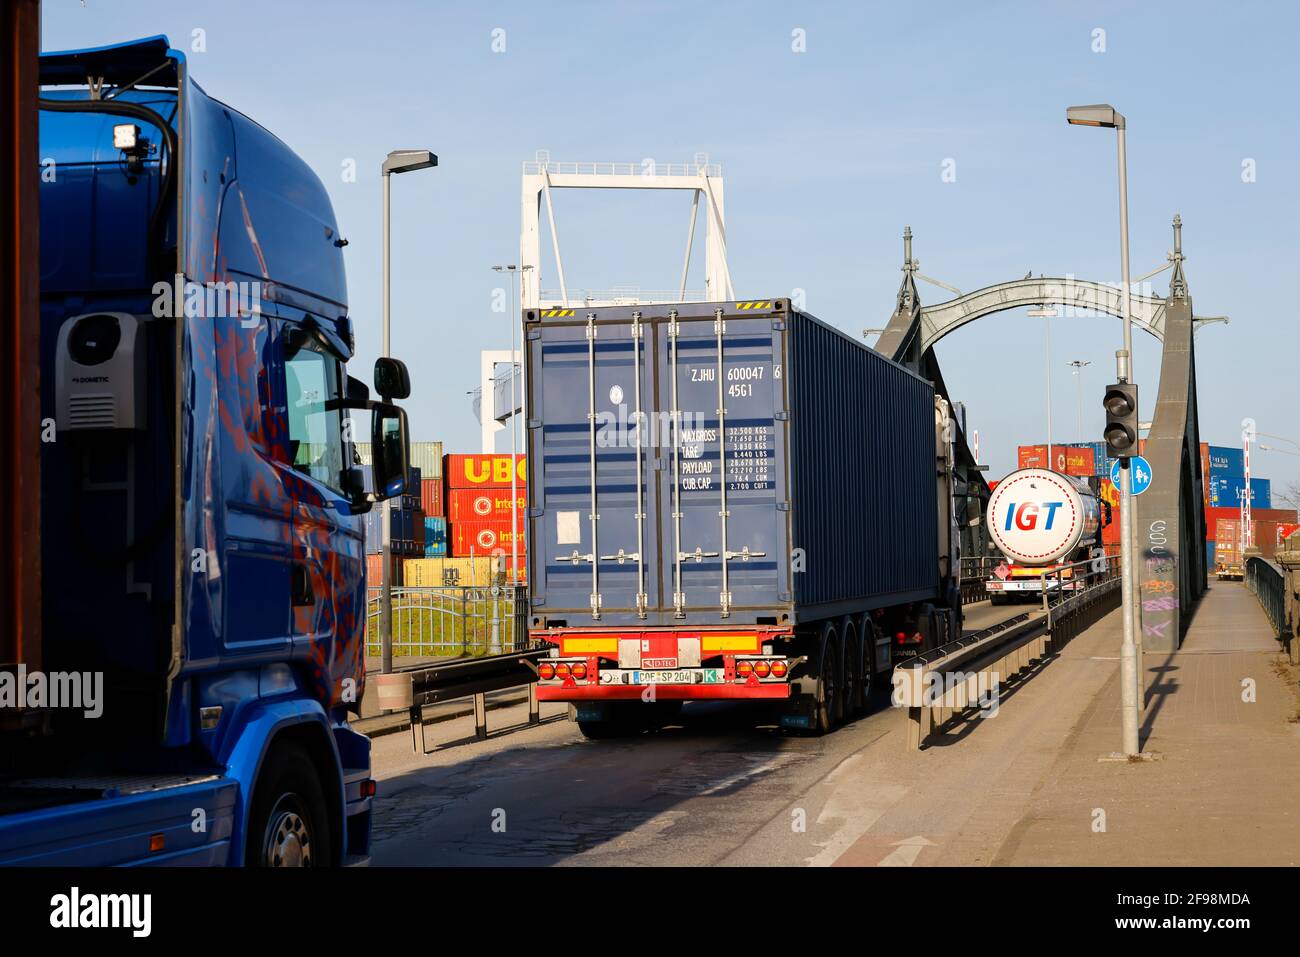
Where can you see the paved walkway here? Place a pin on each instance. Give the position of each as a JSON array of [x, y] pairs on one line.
[[1221, 715]]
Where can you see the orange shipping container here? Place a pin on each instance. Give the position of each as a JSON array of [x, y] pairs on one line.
[[481, 538], [482, 471], [431, 498], [481, 505], [1068, 459]]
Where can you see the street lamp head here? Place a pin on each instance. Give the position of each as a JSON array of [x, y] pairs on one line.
[[1097, 114], [404, 161]]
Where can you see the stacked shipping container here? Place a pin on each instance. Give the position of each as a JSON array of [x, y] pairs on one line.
[[1222, 469], [481, 514]]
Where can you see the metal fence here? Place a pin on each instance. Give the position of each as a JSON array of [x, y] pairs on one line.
[[452, 621], [1267, 582]]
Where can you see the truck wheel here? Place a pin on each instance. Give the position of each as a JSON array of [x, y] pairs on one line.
[[621, 720], [867, 683], [824, 714], [851, 669], [288, 824]]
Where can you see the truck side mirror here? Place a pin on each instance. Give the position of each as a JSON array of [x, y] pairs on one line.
[[391, 450], [392, 381]]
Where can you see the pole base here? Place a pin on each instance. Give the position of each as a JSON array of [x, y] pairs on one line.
[[1116, 757]]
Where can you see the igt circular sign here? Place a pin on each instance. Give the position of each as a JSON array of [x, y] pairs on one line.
[[1038, 517]]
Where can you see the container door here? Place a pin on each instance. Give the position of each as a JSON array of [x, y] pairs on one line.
[[593, 552], [721, 483]]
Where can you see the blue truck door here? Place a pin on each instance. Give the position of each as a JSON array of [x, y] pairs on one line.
[[721, 525], [589, 383]]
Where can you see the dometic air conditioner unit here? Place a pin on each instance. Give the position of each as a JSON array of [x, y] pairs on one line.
[[100, 370]]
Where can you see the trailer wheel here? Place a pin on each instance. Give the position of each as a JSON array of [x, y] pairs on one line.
[[288, 824], [851, 669], [867, 684], [997, 599], [828, 691]]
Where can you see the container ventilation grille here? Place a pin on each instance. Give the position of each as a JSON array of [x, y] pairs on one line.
[[94, 410]]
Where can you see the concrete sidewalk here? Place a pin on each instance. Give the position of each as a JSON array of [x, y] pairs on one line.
[[1221, 713]]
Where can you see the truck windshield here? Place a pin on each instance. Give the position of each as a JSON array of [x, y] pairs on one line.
[[315, 431]]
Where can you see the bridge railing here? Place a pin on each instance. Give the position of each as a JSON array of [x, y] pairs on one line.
[[1268, 583], [965, 674]]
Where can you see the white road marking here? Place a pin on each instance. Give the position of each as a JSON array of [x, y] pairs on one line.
[[907, 852]]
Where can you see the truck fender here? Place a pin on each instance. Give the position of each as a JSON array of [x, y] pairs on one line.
[[261, 723]]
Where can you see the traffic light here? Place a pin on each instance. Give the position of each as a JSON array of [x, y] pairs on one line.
[[1121, 434]]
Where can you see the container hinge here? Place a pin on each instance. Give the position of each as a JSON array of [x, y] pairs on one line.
[[778, 325], [534, 333], [536, 512], [783, 506], [534, 423], [785, 596]]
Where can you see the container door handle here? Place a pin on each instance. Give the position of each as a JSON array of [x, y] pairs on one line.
[[639, 419], [679, 597], [591, 431], [724, 598]]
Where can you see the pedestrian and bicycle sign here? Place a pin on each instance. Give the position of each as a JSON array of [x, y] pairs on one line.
[[1139, 474]]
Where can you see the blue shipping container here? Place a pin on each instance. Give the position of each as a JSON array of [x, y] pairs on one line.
[[1226, 460], [1226, 491], [435, 536], [825, 504]]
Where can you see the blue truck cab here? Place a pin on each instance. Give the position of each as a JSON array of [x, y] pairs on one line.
[[201, 502]]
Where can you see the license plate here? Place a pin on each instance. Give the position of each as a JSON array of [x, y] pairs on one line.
[[704, 676]]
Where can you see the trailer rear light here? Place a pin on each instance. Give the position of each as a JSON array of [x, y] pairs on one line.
[[744, 669], [762, 669], [779, 669], [562, 670], [578, 670], [546, 671], [901, 638], [369, 788]]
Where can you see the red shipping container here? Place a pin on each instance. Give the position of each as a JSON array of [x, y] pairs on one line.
[[375, 568], [1286, 529], [481, 538], [1065, 458], [431, 498], [1233, 514], [482, 505], [482, 471]]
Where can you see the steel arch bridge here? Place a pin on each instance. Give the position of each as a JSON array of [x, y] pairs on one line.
[[1170, 514]]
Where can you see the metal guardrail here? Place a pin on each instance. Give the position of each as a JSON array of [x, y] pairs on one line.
[[966, 673], [452, 621], [1268, 583]]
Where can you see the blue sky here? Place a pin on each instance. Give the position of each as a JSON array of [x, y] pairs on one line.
[[826, 155]]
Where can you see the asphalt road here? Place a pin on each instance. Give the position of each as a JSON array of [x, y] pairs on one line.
[[725, 786]]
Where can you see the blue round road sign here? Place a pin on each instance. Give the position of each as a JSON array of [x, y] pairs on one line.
[[1139, 474]]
